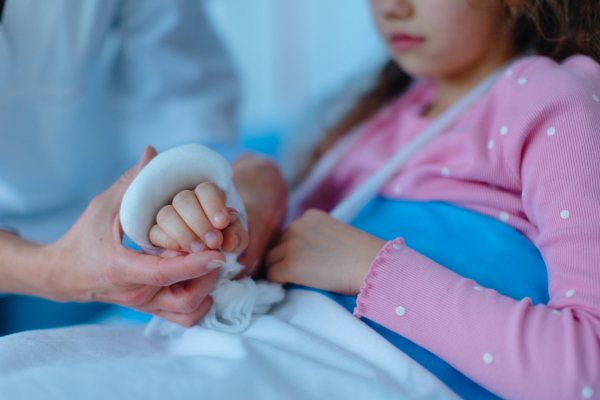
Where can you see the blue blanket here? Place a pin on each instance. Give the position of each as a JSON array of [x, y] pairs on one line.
[[477, 247]]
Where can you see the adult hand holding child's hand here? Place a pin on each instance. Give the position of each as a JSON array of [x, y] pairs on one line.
[[199, 220], [89, 264]]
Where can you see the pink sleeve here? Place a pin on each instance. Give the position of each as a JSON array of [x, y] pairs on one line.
[[510, 347]]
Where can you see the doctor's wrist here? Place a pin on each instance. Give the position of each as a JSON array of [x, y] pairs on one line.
[[22, 265]]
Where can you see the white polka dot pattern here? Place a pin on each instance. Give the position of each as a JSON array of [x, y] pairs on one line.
[[488, 358], [396, 246], [534, 120], [400, 310], [587, 393]]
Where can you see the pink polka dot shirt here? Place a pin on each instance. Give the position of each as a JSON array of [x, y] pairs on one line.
[[527, 154]]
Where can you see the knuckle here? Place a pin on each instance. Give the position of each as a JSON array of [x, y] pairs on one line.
[[209, 187], [189, 304], [171, 244], [204, 186], [113, 277], [154, 235], [164, 213], [159, 279], [182, 198], [135, 298], [199, 224], [96, 202]]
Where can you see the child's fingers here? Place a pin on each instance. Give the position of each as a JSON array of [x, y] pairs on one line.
[[235, 238], [159, 238], [212, 199], [171, 223], [189, 209]]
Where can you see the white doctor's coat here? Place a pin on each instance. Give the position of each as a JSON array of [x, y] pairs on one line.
[[86, 85]]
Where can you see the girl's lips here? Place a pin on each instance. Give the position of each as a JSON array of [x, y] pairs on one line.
[[402, 41]]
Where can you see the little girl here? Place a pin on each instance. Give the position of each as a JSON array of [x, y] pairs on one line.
[[526, 154]]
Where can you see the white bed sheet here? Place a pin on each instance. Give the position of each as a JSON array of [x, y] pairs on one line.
[[308, 347]]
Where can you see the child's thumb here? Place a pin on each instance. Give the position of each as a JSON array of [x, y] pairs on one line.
[[119, 188]]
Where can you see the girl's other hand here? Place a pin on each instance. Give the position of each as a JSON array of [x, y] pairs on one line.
[[198, 220], [322, 252]]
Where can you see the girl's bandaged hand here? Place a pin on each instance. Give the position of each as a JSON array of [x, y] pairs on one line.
[[322, 252], [197, 220]]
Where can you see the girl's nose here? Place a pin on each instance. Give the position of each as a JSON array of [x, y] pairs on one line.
[[397, 9]]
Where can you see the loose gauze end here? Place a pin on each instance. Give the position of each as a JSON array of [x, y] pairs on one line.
[[155, 186]]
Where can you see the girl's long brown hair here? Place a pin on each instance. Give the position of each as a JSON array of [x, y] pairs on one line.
[[552, 28]]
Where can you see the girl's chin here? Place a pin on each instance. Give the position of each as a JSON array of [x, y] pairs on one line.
[[412, 66], [418, 68]]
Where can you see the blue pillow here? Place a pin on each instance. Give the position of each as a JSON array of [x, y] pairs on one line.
[[477, 247]]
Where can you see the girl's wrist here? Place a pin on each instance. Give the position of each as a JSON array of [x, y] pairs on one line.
[[370, 250]]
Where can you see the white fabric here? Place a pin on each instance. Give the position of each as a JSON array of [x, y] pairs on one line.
[[156, 185], [85, 86], [308, 347]]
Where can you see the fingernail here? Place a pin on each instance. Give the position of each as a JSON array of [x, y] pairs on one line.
[[219, 216], [142, 157], [233, 216], [213, 264], [237, 242], [196, 247], [210, 237]]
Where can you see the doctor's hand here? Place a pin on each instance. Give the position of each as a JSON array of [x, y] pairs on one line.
[[89, 264], [321, 252]]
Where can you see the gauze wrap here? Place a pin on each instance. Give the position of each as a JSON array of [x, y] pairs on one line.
[[154, 187]]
